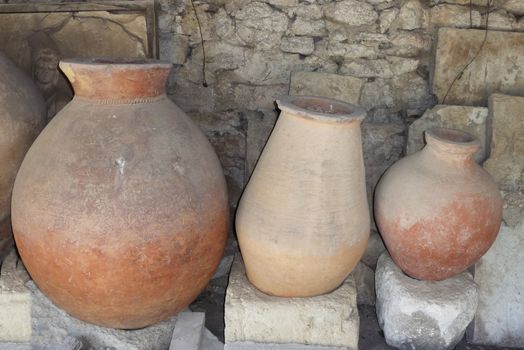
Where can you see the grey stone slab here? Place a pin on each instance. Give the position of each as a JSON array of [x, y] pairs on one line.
[[498, 68], [506, 162], [423, 314], [252, 316], [339, 87], [210, 342], [470, 119], [188, 331], [266, 346], [499, 319]]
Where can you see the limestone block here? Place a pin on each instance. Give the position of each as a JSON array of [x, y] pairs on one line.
[[413, 15], [259, 127], [499, 319], [266, 346], [364, 278], [300, 44], [52, 328], [466, 118], [339, 87], [514, 6], [498, 68], [386, 18], [367, 68], [506, 162], [305, 26], [446, 15], [375, 249], [423, 314], [188, 331], [15, 302], [351, 12], [252, 316]]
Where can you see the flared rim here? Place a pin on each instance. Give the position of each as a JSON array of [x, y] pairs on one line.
[[116, 63], [321, 108], [455, 140]]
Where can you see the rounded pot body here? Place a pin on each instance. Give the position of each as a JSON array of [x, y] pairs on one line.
[[437, 210], [120, 208], [22, 117], [303, 220]]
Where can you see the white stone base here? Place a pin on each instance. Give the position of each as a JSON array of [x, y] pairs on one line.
[[423, 314], [266, 346], [252, 316]]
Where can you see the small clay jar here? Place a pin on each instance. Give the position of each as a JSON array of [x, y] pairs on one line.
[[303, 220], [437, 210], [22, 117], [120, 209]]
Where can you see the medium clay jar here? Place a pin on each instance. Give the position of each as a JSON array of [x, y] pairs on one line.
[[303, 220], [120, 209], [437, 210], [22, 117]]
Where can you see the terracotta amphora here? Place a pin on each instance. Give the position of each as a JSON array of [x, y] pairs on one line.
[[120, 208], [437, 210], [22, 117], [303, 221]]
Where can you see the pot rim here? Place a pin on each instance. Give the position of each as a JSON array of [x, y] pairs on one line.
[[338, 112], [453, 137], [116, 63]]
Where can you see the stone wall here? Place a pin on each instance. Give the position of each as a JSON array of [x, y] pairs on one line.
[[253, 46]]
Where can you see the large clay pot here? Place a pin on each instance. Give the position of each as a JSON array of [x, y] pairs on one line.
[[22, 117], [437, 210], [120, 208], [303, 220]]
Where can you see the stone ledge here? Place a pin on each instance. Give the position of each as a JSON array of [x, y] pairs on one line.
[[252, 316]]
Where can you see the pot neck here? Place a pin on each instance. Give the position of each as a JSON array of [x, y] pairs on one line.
[[451, 145], [117, 80]]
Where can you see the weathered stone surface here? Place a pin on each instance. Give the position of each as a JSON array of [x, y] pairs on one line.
[[506, 162], [52, 327], [386, 18], [336, 49], [500, 20], [423, 314], [259, 127], [454, 16], [413, 15], [15, 301], [401, 65], [305, 26], [364, 278], [409, 44], [470, 119], [252, 316], [340, 87], [210, 341], [377, 94], [351, 12], [514, 6], [375, 249], [500, 275], [300, 44], [367, 68], [311, 11], [188, 331], [498, 68], [266, 346]]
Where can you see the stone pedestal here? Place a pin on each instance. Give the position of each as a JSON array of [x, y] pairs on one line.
[[253, 318], [423, 314]]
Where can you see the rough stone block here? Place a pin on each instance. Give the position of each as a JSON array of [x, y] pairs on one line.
[[52, 328], [466, 118], [265, 346], [500, 275], [506, 162], [423, 314], [188, 331], [252, 316], [498, 68], [210, 342], [339, 87], [364, 278], [15, 302]]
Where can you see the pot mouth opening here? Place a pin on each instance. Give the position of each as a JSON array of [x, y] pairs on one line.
[[321, 108], [117, 62], [452, 136]]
